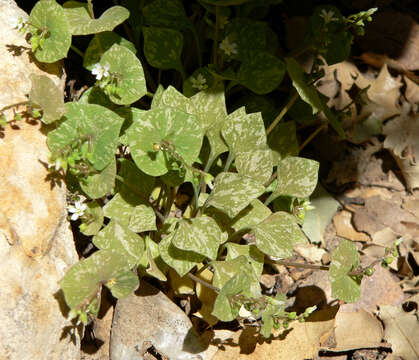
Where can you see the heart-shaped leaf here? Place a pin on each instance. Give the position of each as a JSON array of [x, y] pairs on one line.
[[253, 255], [49, 15], [256, 164], [94, 215], [167, 14], [98, 185], [283, 140], [81, 23], [123, 284], [251, 215]]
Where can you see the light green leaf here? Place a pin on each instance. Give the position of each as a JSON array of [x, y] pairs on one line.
[[129, 70], [201, 235], [211, 111], [256, 164], [157, 125], [172, 97], [157, 97], [94, 214], [48, 96], [119, 238], [296, 177], [167, 14], [123, 284], [81, 23], [98, 185], [261, 72], [99, 126], [180, 260], [233, 192], [316, 220], [309, 94], [345, 258], [253, 255], [82, 281], [101, 43], [275, 306], [251, 215], [156, 267], [283, 140], [277, 235], [163, 48], [49, 15]]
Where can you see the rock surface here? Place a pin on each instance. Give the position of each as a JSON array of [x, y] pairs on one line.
[[36, 244], [150, 317]]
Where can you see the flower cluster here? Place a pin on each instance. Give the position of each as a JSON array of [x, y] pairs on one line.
[[229, 48], [100, 71], [199, 83], [77, 210]]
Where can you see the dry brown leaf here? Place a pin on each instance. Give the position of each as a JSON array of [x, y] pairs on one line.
[[412, 205], [310, 252], [401, 330], [300, 341], [380, 240], [412, 91], [402, 139], [355, 330], [344, 228]]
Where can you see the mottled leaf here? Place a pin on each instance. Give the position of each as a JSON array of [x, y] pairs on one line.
[[256, 164], [98, 185], [201, 235], [173, 98], [180, 260], [119, 238], [94, 222], [129, 70], [251, 215], [157, 125], [95, 95], [101, 43], [81, 23], [345, 258], [253, 255], [233, 192], [283, 140], [123, 284], [163, 48], [277, 235], [166, 13], [48, 14], [48, 97], [296, 177]]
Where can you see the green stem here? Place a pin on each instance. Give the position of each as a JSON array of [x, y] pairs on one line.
[[90, 7], [203, 282], [149, 94], [230, 159], [207, 168], [312, 136], [282, 113], [77, 51], [217, 29]]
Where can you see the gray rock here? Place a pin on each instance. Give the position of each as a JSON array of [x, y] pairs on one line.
[[36, 244], [149, 316]]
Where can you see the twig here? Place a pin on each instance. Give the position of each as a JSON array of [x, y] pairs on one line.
[[282, 113], [203, 282]]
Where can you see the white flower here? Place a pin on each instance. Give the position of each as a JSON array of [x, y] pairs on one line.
[[77, 210], [328, 16], [228, 47], [17, 23], [57, 164], [100, 71], [199, 82]]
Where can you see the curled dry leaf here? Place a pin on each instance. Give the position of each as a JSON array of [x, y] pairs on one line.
[[344, 228]]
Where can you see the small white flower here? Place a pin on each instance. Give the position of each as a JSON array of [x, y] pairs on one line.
[[228, 47], [199, 83], [100, 71], [328, 16], [77, 210], [17, 23], [57, 164]]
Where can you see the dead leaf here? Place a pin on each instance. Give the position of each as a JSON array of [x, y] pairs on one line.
[[412, 91], [310, 252], [412, 205], [344, 228], [300, 341], [355, 330], [268, 280], [380, 240], [401, 330]]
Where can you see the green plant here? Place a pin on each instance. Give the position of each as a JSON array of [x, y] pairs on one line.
[[127, 164]]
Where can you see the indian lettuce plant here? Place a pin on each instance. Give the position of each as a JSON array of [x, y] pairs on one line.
[[125, 159]]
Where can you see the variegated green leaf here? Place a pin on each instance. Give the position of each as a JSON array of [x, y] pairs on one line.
[[169, 125], [261, 72], [244, 132], [283, 140], [81, 23], [136, 183], [119, 238], [94, 222], [123, 284], [129, 70], [48, 14], [98, 185], [157, 97], [163, 48], [82, 281], [277, 235], [166, 13], [180, 260], [257, 164], [48, 97], [211, 111], [233, 192], [345, 258], [156, 267], [201, 235], [251, 215], [132, 212], [101, 43], [296, 177], [173, 98], [253, 255], [99, 126], [95, 95]]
